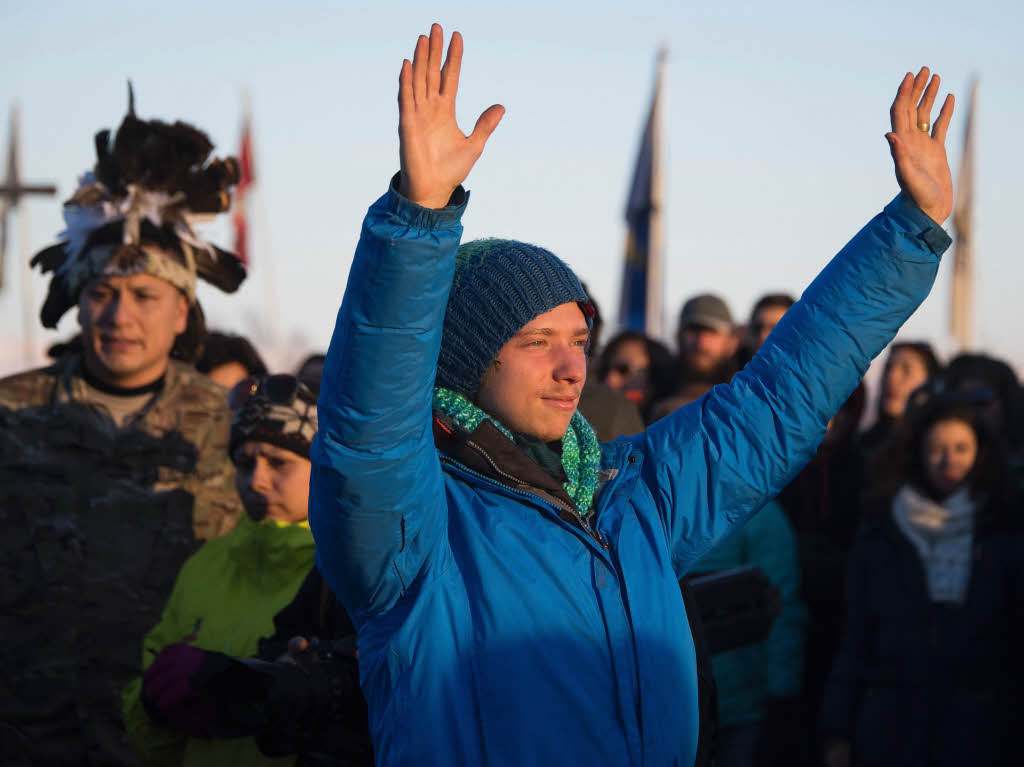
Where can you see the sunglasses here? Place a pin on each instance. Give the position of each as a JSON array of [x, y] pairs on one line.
[[625, 369], [280, 389]]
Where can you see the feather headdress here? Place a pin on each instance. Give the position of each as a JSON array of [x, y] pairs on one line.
[[148, 187]]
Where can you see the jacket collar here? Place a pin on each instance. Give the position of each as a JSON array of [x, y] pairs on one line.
[[487, 451], [269, 547]]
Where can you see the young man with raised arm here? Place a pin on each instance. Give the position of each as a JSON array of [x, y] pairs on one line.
[[513, 582]]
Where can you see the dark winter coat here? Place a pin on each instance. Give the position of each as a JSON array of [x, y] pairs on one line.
[[97, 521], [923, 683]]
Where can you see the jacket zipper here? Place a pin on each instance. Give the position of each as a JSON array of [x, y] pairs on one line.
[[581, 522]]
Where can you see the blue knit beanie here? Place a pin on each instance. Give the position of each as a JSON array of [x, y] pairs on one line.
[[499, 286]]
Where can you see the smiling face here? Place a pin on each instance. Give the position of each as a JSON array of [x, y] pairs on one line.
[[535, 382], [272, 482], [129, 325], [949, 451]]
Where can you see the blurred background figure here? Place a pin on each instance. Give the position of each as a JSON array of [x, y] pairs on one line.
[[706, 341], [909, 366], [760, 721], [227, 359], [310, 372], [823, 504], [683, 396], [609, 411], [765, 315], [929, 667], [993, 382], [228, 592], [636, 366]]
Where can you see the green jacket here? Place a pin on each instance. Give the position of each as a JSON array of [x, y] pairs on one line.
[[97, 522], [225, 598]]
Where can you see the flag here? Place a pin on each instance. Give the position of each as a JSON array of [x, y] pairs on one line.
[[640, 302], [247, 176], [962, 292]]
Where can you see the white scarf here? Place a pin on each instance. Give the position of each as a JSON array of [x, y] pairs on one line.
[[943, 534]]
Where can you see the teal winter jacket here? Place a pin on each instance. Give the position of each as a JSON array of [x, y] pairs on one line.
[[492, 629], [748, 676]]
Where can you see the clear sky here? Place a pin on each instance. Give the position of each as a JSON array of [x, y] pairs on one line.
[[775, 122]]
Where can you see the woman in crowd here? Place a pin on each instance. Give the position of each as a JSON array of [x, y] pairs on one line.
[[227, 594], [637, 366], [992, 380], [929, 663], [908, 367]]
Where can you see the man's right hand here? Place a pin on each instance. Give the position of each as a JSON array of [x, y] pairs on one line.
[[435, 155]]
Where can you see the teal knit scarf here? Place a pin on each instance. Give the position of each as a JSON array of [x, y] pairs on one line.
[[581, 453]]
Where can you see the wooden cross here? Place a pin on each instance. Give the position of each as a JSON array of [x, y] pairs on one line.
[[12, 190]]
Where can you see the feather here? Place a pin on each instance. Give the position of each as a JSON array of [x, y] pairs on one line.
[[221, 269], [150, 180], [50, 259], [57, 302]]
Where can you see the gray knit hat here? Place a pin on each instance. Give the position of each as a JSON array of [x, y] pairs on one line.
[[499, 286]]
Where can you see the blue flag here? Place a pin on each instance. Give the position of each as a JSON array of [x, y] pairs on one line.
[[640, 300]]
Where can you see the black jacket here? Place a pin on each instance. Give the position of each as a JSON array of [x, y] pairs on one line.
[[923, 683]]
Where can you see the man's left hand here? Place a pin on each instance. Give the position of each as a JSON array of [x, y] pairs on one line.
[[918, 147]]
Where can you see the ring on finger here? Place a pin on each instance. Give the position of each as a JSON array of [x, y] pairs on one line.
[[925, 127]]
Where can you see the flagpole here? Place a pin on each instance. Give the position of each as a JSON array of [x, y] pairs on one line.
[[258, 209], [962, 287], [655, 265], [28, 302], [250, 213]]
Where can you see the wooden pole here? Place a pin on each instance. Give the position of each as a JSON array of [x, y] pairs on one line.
[[656, 241]]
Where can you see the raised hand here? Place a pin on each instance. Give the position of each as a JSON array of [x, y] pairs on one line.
[[922, 168], [436, 156]]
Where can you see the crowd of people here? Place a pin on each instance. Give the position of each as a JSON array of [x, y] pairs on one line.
[[863, 649], [489, 554]]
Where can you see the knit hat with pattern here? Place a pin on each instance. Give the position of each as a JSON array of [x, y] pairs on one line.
[[278, 409], [499, 286]]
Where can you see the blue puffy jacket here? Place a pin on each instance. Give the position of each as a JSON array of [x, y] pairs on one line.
[[492, 628]]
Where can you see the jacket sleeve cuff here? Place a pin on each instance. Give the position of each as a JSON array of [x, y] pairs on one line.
[[419, 217], [916, 221]]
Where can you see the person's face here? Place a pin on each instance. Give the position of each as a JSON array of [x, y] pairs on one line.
[[534, 385], [704, 349], [950, 449], [228, 374], [905, 371], [272, 482], [129, 325], [628, 368], [765, 319]]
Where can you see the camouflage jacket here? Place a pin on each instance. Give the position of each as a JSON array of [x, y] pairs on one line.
[[97, 521]]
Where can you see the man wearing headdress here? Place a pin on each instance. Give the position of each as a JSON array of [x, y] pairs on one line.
[[113, 461]]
